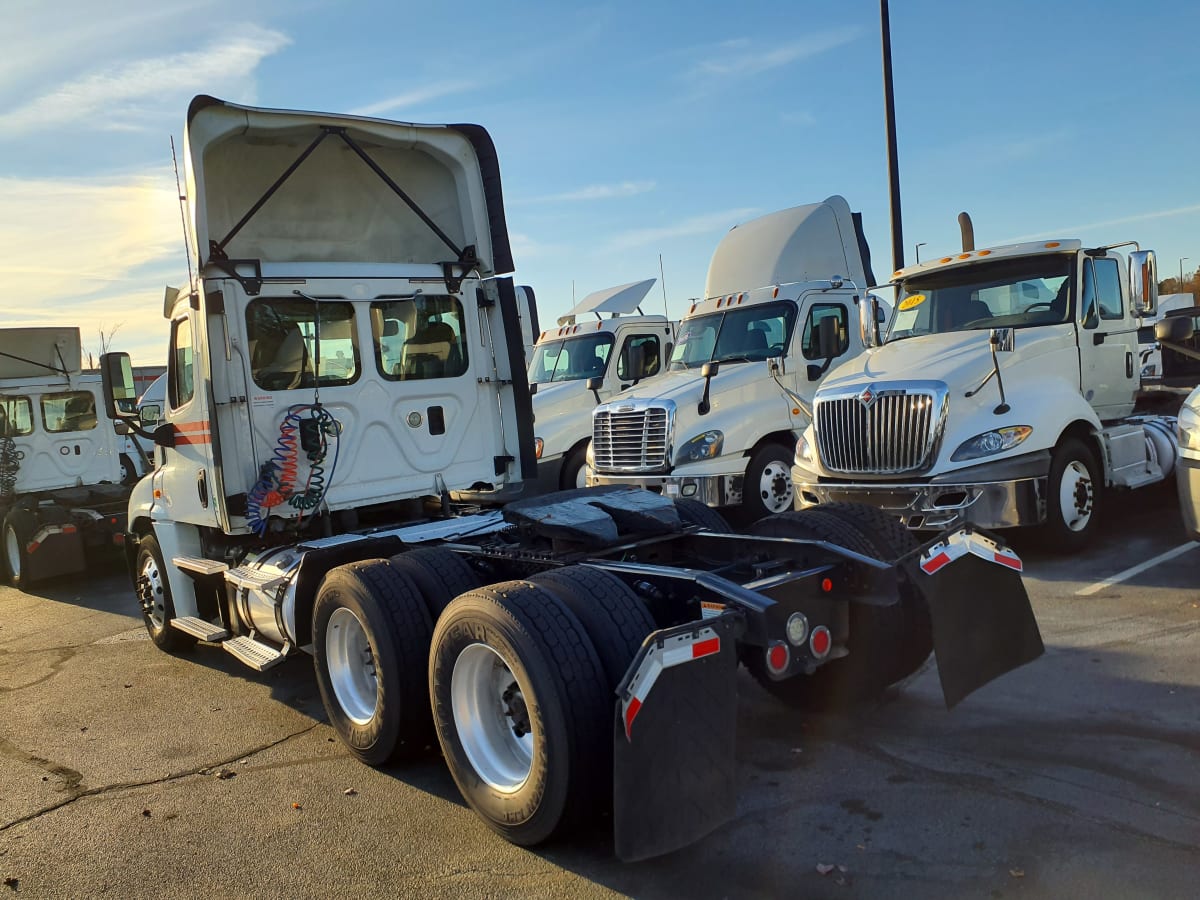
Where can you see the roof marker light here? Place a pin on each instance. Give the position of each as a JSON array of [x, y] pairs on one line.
[[774, 293], [985, 252], [946, 259], [964, 256], [1052, 244]]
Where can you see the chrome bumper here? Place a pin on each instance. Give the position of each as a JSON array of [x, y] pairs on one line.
[[994, 504], [711, 490]]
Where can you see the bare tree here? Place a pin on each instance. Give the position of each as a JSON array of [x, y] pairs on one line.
[[106, 338]]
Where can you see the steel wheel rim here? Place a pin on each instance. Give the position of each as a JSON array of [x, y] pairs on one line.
[[12, 550], [1075, 496], [154, 603], [351, 666], [775, 487], [483, 694]]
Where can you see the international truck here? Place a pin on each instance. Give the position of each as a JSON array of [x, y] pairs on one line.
[[1002, 394], [621, 351], [782, 303], [346, 395], [64, 470]]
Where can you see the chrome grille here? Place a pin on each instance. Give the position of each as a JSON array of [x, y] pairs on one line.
[[631, 438], [896, 430]]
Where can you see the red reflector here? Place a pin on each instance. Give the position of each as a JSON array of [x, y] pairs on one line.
[[827, 584], [119, 539], [936, 563], [706, 648], [631, 712], [1011, 561], [777, 657], [33, 545], [819, 643], [68, 529]]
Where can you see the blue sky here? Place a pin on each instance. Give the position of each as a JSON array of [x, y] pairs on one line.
[[624, 130]]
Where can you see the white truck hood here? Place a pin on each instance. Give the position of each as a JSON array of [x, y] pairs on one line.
[[329, 205], [961, 359]]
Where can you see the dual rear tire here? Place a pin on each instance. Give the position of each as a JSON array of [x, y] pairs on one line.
[[515, 681]]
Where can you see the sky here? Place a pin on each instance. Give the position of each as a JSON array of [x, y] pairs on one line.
[[625, 131]]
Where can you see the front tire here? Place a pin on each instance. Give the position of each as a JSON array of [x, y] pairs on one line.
[[573, 471], [371, 633], [154, 595], [767, 487], [521, 710], [1073, 496]]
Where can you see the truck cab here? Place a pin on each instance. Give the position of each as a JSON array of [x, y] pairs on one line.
[[1003, 393], [620, 352], [782, 301]]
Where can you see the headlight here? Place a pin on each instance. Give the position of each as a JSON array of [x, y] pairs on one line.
[[538, 444], [804, 450], [702, 446], [1189, 428], [991, 442]]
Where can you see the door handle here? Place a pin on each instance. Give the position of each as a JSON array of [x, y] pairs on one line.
[[202, 487]]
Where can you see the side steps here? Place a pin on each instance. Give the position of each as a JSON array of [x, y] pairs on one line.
[[245, 648]]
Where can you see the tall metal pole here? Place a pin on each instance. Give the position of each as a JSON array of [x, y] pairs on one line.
[[1181, 259], [893, 162]]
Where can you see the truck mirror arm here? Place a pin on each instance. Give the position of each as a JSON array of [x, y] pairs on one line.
[[792, 395]]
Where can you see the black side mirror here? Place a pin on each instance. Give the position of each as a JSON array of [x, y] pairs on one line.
[[709, 371], [1174, 329], [116, 380], [594, 384]]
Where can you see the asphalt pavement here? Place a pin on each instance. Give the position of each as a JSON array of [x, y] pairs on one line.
[[126, 772]]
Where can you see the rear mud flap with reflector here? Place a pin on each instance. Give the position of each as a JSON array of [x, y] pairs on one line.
[[674, 737], [983, 624]]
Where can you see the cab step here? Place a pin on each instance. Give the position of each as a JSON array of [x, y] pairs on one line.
[[255, 654], [198, 565], [198, 628], [254, 579]]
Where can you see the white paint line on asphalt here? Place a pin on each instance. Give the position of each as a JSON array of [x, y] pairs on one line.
[[1136, 570]]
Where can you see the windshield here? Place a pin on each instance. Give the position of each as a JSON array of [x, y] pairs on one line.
[[1008, 293], [738, 335], [571, 359]]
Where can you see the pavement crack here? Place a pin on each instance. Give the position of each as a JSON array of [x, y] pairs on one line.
[[65, 655], [75, 793]]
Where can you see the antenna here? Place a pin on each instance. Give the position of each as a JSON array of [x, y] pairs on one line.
[[187, 248], [572, 291], [662, 279]]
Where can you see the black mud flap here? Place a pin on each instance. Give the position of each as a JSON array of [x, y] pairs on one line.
[[983, 624], [674, 738]]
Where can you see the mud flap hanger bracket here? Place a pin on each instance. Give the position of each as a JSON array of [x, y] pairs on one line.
[[467, 258]]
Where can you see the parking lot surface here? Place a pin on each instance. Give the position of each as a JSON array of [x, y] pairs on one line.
[[126, 772]]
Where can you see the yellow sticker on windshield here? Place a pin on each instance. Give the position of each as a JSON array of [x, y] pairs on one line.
[[911, 302]]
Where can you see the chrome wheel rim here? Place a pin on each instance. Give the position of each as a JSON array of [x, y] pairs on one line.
[[775, 487], [491, 718], [351, 666], [581, 477], [1075, 496], [153, 594], [12, 550]]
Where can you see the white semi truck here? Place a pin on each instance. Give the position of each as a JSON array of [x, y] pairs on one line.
[[621, 351], [64, 471], [782, 303], [1002, 394], [346, 387]]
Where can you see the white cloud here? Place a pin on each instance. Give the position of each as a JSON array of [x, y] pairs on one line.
[[1107, 223], [416, 96], [122, 97], [94, 254], [742, 58], [598, 192], [694, 225]]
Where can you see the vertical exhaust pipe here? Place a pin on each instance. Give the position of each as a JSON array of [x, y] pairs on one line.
[[968, 231]]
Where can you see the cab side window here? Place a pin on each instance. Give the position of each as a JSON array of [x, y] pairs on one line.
[[69, 411], [810, 344], [16, 416], [182, 364], [640, 357], [1108, 288]]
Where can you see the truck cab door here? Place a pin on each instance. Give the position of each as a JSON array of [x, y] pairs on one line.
[[184, 488], [1108, 359], [641, 356]]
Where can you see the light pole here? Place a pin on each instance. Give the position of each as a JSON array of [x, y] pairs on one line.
[[1181, 259], [917, 250]]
